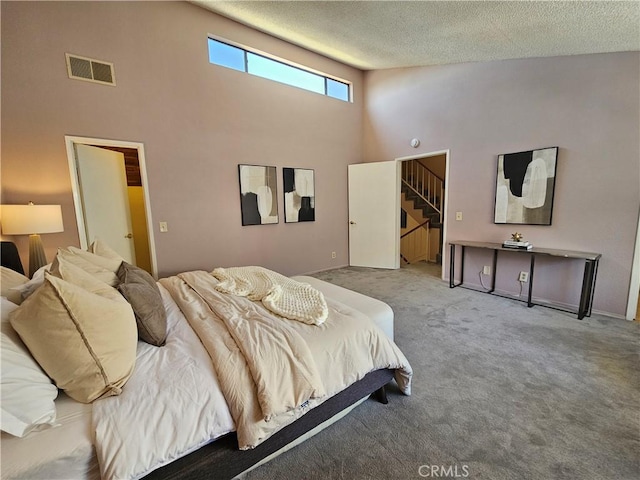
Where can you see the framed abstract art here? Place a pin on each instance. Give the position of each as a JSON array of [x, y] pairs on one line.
[[258, 194], [299, 195], [525, 187]]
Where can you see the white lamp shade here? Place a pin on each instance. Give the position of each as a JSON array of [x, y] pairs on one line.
[[31, 219]]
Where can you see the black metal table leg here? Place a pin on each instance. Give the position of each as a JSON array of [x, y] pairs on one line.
[[594, 275], [533, 262], [586, 294], [495, 273], [452, 272]]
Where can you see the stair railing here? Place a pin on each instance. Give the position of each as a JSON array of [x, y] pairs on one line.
[[426, 184], [414, 244], [414, 229]]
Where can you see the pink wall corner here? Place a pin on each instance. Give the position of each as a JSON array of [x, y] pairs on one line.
[[587, 105]]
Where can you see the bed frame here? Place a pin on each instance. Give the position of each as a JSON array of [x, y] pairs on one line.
[[223, 460]]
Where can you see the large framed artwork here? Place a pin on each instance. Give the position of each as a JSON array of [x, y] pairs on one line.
[[299, 195], [258, 194], [525, 187]]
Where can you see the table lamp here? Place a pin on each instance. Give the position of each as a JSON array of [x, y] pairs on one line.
[[32, 220]]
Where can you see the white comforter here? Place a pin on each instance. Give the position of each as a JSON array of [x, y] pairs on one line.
[[171, 406], [176, 402], [271, 369]]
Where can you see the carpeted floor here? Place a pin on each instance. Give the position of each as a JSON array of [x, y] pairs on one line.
[[500, 391]]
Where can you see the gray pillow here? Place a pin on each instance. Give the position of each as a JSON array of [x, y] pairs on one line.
[[141, 291]]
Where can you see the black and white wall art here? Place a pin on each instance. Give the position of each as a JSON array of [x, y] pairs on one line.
[[299, 195], [525, 186], [258, 194]]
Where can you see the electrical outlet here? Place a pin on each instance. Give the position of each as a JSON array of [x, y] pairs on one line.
[[524, 277], [458, 216], [164, 227], [333, 254], [486, 270]]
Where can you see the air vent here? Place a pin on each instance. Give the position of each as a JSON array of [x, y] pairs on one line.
[[82, 68]]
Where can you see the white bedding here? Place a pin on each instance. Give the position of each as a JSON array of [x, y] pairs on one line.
[[272, 370], [172, 387], [179, 377], [379, 312], [60, 453]]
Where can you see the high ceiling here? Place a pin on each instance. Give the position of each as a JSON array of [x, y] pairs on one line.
[[372, 35]]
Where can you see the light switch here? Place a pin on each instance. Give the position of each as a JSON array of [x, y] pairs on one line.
[[458, 216], [164, 227]]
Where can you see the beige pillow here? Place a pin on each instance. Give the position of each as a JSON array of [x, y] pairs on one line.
[[64, 269], [102, 268], [102, 249], [111, 264], [8, 281], [86, 343]]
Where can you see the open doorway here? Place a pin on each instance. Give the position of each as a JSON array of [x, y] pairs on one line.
[[109, 187], [423, 204]]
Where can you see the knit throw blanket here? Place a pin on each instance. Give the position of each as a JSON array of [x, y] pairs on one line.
[[279, 294]]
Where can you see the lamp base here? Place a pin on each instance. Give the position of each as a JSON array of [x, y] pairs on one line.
[[37, 257]]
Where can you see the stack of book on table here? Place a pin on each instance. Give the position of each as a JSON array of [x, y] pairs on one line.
[[517, 245]]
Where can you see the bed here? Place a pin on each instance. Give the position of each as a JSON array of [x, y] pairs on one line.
[[171, 419]]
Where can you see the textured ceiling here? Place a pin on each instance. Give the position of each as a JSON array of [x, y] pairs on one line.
[[374, 35]]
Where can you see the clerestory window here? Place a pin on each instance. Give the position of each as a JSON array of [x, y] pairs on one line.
[[230, 56]]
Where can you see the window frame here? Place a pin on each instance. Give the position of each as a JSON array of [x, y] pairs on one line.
[[273, 58]]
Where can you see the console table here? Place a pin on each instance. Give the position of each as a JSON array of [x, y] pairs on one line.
[[588, 280]]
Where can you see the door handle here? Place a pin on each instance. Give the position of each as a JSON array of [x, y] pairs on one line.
[[352, 222], [129, 235]]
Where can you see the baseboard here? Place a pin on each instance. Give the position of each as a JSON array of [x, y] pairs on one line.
[[322, 270]]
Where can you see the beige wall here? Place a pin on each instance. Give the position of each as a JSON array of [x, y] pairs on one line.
[[437, 164], [587, 105], [197, 122]]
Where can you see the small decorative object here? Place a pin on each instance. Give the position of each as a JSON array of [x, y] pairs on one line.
[[299, 195], [517, 242], [525, 186], [258, 194]]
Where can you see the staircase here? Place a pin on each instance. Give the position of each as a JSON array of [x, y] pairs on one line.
[[427, 210], [423, 193]]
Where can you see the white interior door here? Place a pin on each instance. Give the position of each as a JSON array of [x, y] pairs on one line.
[[374, 214], [105, 201]]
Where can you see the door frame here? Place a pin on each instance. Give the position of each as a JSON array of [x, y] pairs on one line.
[[70, 141], [446, 154], [634, 284]]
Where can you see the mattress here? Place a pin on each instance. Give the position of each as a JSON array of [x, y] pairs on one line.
[[63, 452], [379, 312]]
